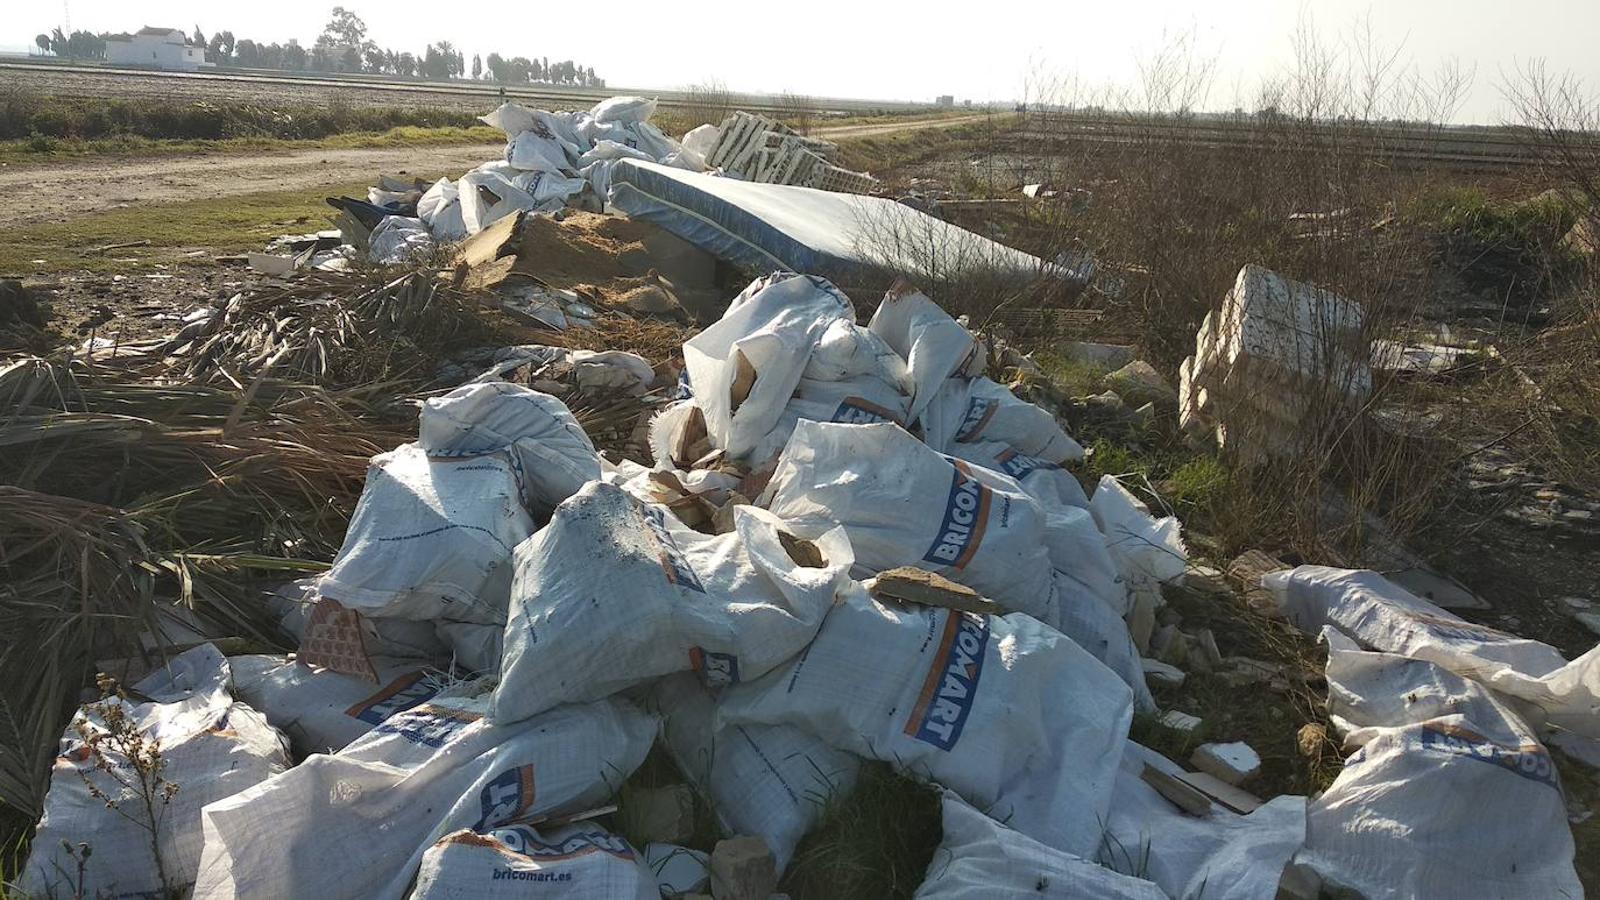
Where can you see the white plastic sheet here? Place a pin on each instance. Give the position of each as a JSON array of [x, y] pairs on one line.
[[399, 239], [770, 781], [1384, 616], [432, 538], [766, 334], [554, 455], [1147, 550], [357, 823], [980, 859], [514, 862], [623, 110], [1221, 856], [322, 711], [1450, 793], [971, 410], [934, 346], [901, 503], [440, 208], [611, 579], [1011, 715], [211, 747]]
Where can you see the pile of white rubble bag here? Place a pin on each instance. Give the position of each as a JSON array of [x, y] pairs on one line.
[[513, 623], [552, 160]]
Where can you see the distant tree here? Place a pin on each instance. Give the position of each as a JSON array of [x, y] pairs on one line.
[[345, 29], [496, 65], [43, 40], [199, 39], [221, 47], [521, 66], [350, 59], [247, 54], [477, 67], [377, 61], [406, 64], [294, 56], [58, 42], [85, 45]]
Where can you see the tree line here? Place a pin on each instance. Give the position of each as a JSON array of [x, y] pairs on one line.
[[343, 46]]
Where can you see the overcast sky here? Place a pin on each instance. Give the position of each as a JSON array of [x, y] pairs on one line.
[[991, 50]]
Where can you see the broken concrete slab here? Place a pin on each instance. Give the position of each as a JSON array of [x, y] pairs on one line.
[[909, 584], [1104, 356], [1234, 762], [1138, 383], [1158, 672], [742, 868], [1179, 720]]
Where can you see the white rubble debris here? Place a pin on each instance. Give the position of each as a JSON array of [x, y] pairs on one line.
[[979, 858], [770, 781], [1235, 762], [424, 773], [210, 748], [730, 606], [1219, 855], [1275, 350], [1545, 688], [1004, 711], [1448, 790]]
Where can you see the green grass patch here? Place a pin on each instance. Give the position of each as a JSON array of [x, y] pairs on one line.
[[27, 115], [882, 152], [1074, 377], [1533, 225], [41, 149], [219, 225], [874, 844]]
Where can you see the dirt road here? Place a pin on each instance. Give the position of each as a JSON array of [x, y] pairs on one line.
[[60, 191], [56, 192]]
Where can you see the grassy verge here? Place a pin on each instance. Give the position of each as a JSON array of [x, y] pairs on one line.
[[216, 225], [882, 152], [42, 149]]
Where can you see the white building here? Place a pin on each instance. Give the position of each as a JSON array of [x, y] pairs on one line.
[[156, 48]]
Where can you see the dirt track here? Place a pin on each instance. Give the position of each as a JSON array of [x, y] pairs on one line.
[[54, 192]]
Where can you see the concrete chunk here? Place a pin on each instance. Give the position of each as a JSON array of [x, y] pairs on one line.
[[909, 584], [1233, 763], [742, 868]]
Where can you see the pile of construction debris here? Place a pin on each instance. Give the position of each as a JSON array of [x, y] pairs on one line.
[[848, 544], [555, 161], [775, 550]]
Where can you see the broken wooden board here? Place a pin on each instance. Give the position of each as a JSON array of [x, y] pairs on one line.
[[1179, 792], [1237, 799]]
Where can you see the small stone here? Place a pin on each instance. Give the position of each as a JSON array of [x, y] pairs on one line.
[[1142, 620], [659, 815], [1162, 638], [1158, 672], [1574, 605], [1205, 580], [1208, 645], [1178, 720], [742, 868], [1589, 620], [678, 870], [1175, 648], [1139, 383], [1234, 762]]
